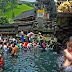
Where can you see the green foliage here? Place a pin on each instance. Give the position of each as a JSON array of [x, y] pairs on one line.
[[29, 4], [5, 3], [16, 11], [13, 15], [3, 6], [4, 21]]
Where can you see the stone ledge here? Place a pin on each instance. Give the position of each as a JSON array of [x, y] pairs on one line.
[[64, 14]]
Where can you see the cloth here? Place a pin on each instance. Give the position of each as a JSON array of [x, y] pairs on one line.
[[70, 52], [30, 34], [18, 46], [22, 38]]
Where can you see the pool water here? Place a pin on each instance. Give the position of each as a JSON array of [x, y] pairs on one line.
[[31, 62]]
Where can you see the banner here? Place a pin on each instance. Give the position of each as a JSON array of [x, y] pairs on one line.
[[40, 13]]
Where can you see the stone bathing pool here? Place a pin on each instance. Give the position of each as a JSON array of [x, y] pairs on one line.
[[30, 62]]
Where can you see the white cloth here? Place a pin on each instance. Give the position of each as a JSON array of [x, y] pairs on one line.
[[5, 48], [30, 34]]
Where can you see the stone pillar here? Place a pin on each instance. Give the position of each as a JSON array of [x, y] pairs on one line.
[[40, 23]]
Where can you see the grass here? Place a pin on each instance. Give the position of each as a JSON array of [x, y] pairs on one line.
[[17, 11]]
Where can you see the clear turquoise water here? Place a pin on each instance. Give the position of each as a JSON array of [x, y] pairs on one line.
[[30, 62]]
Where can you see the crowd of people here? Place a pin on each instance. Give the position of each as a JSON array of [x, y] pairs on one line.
[[11, 45]]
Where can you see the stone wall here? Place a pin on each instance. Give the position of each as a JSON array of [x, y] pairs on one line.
[[13, 29], [64, 30]]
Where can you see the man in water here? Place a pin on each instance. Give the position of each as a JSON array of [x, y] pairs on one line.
[[15, 51]]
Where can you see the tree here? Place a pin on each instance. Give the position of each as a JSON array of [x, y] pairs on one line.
[[13, 5], [29, 4], [3, 5], [4, 21]]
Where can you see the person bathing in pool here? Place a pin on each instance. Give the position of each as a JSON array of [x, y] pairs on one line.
[[68, 55]]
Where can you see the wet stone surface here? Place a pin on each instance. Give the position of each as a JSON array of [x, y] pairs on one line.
[[30, 62]]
